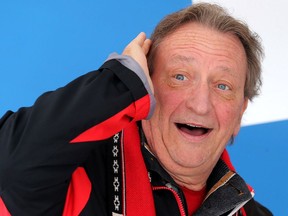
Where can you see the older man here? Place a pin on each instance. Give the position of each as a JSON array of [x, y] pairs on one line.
[[101, 146]]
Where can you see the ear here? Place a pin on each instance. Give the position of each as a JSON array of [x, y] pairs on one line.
[[244, 107]]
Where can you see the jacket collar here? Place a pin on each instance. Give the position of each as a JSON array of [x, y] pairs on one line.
[[227, 191]]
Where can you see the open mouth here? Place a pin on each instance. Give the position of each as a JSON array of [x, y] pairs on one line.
[[193, 130]]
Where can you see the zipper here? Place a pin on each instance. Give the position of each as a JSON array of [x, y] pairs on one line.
[[176, 195]]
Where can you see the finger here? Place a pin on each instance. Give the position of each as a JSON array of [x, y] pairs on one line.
[[140, 39], [146, 46]]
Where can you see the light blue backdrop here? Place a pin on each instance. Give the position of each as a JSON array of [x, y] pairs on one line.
[[45, 44]]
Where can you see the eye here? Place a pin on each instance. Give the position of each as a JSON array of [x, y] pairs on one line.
[[223, 87], [180, 77]]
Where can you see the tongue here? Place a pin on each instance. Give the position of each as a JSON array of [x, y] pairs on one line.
[[194, 131]]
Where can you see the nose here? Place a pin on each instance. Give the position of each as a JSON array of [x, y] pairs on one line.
[[199, 99]]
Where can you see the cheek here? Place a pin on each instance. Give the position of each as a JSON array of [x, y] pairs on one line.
[[229, 117], [167, 95], [167, 102]]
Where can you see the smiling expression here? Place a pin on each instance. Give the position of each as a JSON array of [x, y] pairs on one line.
[[198, 77]]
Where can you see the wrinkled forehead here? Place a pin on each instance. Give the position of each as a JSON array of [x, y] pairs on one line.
[[194, 37]]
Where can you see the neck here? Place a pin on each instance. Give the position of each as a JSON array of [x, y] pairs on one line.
[[190, 179]]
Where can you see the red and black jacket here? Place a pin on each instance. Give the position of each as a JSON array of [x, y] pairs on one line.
[[77, 151]]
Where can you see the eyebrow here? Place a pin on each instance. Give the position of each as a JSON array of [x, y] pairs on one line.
[[225, 69]]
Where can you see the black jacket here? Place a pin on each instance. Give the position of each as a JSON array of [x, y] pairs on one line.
[[77, 151]]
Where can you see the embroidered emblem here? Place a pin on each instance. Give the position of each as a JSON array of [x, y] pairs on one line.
[[115, 151], [116, 202], [116, 138], [115, 166], [116, 184]]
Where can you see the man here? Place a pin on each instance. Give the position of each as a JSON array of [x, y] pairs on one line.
[[100, 145]]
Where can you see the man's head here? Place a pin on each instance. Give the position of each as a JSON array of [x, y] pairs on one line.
[[199, 77], [215, 17]]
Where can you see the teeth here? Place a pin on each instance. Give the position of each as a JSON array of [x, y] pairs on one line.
[[196, 126]]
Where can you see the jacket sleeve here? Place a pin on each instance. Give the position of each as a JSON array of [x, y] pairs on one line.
[[41, 146]]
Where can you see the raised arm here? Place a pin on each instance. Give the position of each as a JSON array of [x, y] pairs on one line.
[[41, 145]]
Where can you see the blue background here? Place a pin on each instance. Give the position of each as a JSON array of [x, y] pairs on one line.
[[45, 44]]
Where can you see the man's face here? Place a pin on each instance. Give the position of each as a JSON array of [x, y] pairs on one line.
[[199, 76]]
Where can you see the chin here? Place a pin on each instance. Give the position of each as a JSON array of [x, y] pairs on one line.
[[190, 160]]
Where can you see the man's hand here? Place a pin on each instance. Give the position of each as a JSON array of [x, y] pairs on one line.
[[138, 49]]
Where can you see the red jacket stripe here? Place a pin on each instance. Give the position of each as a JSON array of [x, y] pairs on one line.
[[78, 193], [139, 197], [117, 122], [3, 210]]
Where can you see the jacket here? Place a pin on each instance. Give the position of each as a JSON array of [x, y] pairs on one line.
[[79, 150]]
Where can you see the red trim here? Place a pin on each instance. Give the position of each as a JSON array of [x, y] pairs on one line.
[[139, 197], [117, 122], [78, 193], [243, 211], [3, 210], [250, 189], [226, 158]]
